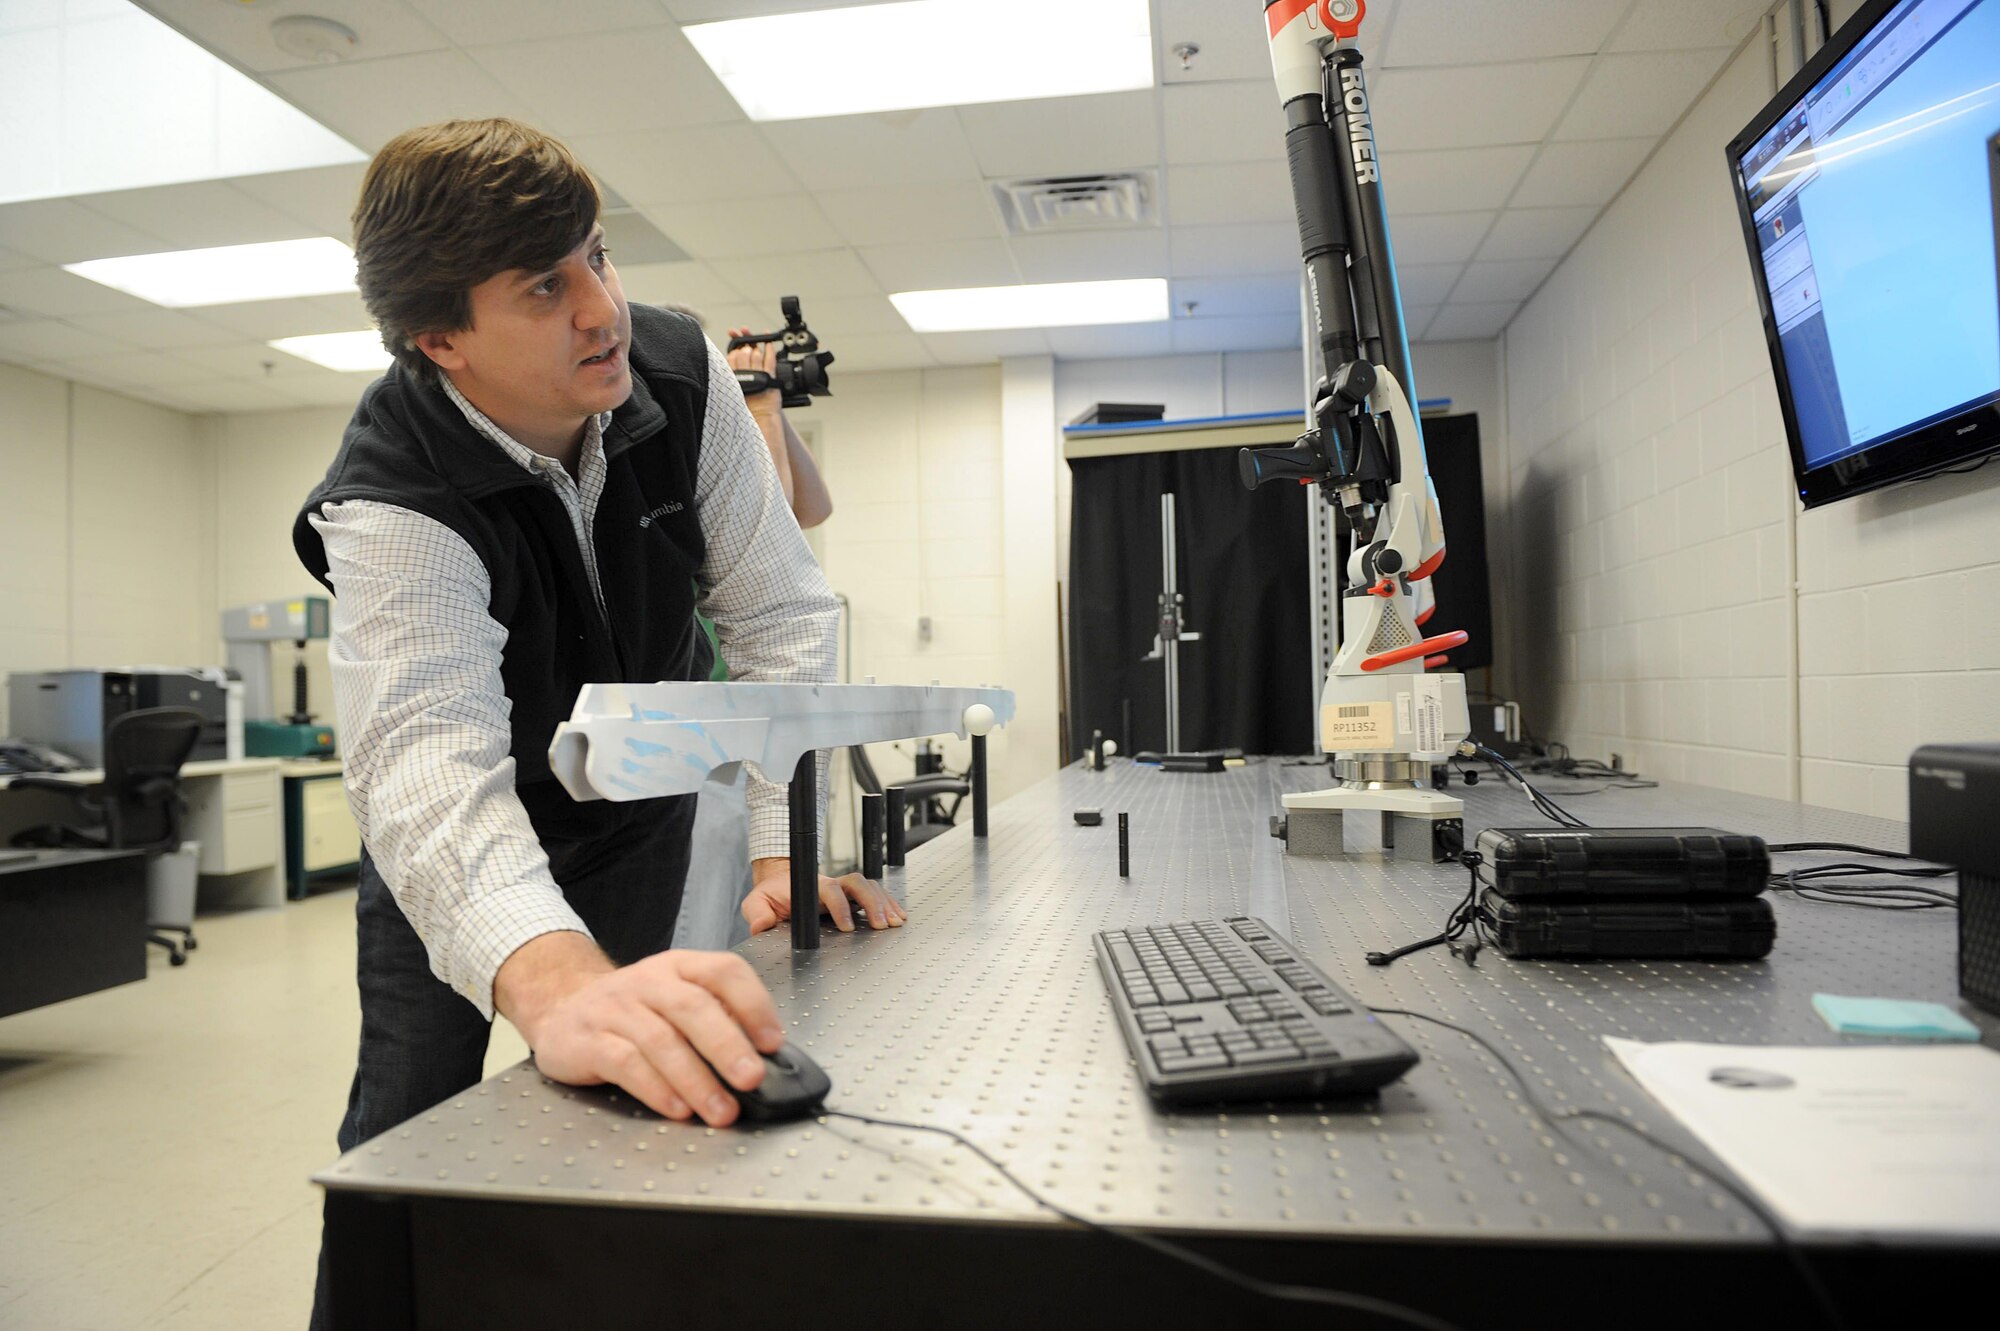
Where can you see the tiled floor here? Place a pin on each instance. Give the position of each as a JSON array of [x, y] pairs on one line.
[[155, 1139]]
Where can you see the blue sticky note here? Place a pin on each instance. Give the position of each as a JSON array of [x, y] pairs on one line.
[[1893, 1017]]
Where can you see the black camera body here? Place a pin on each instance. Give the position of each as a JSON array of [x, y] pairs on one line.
[[801, 368]]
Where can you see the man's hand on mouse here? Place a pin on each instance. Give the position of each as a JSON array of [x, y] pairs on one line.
[[646, 1027], [770, 901]]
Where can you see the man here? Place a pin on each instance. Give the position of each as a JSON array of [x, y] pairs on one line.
[[527, 502]]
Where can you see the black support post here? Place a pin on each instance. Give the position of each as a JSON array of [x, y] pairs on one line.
[[805, 851], [872, 827], [979, 785], [898, 827]]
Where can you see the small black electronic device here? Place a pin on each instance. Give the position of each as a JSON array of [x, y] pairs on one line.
[[1089, 817], [1712, 929], [801, 369], [1955, 820], [1217, 1010], [793, 1087], [1622, 863]]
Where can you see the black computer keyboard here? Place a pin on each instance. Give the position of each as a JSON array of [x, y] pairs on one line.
[[1220, 1010]]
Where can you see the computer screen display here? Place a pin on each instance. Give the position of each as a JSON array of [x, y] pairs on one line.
[[1866, 195]]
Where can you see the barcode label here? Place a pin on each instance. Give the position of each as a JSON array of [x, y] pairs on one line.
[[1349, 713], [1357, 727]]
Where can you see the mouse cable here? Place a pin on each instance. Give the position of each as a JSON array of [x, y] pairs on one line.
[[1362, 1303], [1820, 1295]]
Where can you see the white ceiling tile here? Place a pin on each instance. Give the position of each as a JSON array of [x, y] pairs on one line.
[[371, 101], [146, 369], [1058, 136], [322, 197], [326, 390], [1237, 297], [1223, 122], [896, 214], [1470, 323], [1268, 332], [13, 261], [1454, 32], [808, 274], [1427, 283], [892, 148], [55, 294], [1473, 106], [946, 264], [232, 395], [241, 33], [1502, 282], [1584, 174], [520, 20], [1091, 256], [1112, 341], [266, 319], [1437, 237], [1232, 38], [691, 284], [199, 215], [1537, 233], [1416, 319], [644, 78], [1686, 24], [980, 348], [879, 351], [64, 231], [1454, 180], [53, 340], [1230, 251], [746, 226], [698, 164], [1223, 193], [838, 318], [704, 11], [722, 319], [245, 361], [1639, 95], [156, 330]]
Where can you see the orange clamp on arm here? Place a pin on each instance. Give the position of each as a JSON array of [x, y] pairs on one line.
[[1342, 18], [1428, 567], [1444, 642]]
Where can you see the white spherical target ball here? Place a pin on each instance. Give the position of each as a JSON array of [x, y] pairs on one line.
[[978, 719]]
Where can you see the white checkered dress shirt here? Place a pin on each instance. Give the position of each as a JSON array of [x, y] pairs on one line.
[[423, 714]]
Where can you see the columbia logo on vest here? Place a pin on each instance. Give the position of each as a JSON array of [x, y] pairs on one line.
[[662, 511]]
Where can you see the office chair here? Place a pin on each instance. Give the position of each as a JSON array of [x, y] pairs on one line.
[[924, 796], [138, 804]]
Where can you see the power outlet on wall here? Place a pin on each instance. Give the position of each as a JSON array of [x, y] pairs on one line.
[[923, 628]]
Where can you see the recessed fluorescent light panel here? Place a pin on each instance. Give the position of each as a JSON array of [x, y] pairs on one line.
[[346, 352], [898, 57], [273, 270], [1043, 305], [102, 96]]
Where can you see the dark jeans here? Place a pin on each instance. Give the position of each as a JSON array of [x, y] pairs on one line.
[[421, 1042]]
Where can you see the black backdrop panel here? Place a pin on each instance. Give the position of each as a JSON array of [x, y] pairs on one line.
[[1246, 584], [1464, 600]]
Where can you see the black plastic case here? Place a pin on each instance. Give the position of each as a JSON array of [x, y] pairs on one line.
[[1709, 930], [1617, 863]]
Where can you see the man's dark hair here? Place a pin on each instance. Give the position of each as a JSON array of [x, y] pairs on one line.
[[447, 206]]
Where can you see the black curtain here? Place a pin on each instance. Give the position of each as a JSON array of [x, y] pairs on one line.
[[1451, 446], [1246, 584]]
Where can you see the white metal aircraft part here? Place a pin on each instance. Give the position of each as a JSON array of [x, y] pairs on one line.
[[641, 741]]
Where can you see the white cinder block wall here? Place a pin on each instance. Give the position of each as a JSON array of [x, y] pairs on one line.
[[1669, 600], [107, 547]]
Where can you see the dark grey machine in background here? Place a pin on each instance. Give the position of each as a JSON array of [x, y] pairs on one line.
[[1954, 809]]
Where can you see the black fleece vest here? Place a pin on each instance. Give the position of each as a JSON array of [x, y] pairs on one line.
[[410, 446]]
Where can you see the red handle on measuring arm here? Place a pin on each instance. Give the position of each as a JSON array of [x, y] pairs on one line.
[[1444, 642]]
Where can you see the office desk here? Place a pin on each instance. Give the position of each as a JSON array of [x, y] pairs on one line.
[[232, 811], [71, 922], [522, 1203], [321, 839]]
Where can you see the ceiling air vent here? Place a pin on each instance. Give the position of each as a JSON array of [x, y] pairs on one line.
[[1075, 203]]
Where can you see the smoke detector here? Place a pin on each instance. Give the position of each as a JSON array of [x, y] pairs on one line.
[[310, 37], [1075, 203]]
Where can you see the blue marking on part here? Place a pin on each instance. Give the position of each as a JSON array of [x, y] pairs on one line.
[[627, 785], [645, 748]]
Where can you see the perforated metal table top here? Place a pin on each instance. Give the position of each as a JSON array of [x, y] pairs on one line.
[[986, 1014]]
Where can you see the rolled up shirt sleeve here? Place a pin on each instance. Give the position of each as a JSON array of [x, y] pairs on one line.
[[774, 613], [424, 740]]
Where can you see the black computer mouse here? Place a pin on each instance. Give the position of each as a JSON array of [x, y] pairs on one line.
[[793, 1087]]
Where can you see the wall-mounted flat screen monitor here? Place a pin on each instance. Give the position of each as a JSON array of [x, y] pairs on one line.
[[1866, 194]]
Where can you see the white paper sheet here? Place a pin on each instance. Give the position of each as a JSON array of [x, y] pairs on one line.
[[1880, 1141]]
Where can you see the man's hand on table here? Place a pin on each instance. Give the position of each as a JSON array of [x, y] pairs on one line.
[[770, 901], [639, 1027]]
